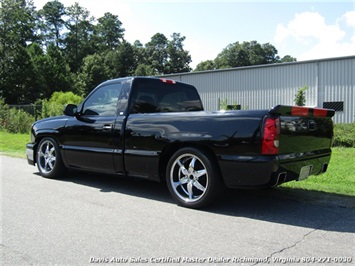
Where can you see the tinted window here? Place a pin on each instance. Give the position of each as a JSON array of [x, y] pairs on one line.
[[103, 101], [153, 96]]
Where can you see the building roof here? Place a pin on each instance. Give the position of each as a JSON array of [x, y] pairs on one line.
[[262, 66]]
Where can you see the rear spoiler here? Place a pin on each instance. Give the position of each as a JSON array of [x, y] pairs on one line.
[[301, 111]]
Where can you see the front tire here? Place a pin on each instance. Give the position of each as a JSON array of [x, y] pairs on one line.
[[192, 179], [49, 160]]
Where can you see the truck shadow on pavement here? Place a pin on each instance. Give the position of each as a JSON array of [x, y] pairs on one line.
[[304, 208], [311, 209]]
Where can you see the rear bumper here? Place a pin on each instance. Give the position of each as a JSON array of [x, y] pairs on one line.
[[269, 171], [292, 164], [30, 153]]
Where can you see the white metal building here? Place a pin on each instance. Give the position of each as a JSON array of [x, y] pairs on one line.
[[331, 84]]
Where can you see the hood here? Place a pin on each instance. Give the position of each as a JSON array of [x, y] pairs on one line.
[[48, 119], [52, 123]]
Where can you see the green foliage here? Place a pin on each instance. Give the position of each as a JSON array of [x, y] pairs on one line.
[[167, 56], [179, 59], [3, 115], [62, 48], [65, 98], [109, 32], [287, 59], [17, 27], [14, 120], [18, 76], [19, 121], [144, 70], [78, 42], [344, 135], [206, 65], [52, 22], [94, 71], [121, 62], [244, 54], [223, 105], [52, 71], [55, 105], [300, 97], [156, 51]]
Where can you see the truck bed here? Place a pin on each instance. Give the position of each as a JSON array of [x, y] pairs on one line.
[[235, 138]]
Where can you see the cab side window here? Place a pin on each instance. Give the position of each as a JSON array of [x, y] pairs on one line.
[[103, 101]]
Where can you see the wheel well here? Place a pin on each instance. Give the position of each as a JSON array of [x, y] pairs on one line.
[[35, 147], [169, 151]]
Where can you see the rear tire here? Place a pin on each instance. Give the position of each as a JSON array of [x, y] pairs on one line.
[[49, 160], [193, 179]]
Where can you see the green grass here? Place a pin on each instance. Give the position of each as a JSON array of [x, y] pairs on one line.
[[14, 144], [339, 179]]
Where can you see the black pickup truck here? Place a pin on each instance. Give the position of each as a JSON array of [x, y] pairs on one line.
[[157, 129]]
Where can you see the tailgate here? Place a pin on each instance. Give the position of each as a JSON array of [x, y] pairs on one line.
[[304, 130]]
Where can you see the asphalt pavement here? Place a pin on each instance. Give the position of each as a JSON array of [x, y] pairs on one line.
[[88, 219]]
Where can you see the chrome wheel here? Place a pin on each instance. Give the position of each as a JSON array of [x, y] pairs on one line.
[[49, 161], [189, 178], [46, 157]]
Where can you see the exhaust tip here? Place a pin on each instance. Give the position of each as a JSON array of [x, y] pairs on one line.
[[281, 178]]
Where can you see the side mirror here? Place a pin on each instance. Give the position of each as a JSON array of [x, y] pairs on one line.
[[71, 110]]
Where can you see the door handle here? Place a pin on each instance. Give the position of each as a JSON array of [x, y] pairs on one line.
[[107, 127]]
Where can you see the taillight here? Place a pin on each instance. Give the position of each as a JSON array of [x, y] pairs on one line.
[[271, 136]]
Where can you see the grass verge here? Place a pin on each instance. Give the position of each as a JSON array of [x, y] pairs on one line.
[[339, 179], [14, 144]]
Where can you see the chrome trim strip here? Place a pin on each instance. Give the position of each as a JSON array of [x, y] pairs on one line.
[[142, 153], [87, 149]]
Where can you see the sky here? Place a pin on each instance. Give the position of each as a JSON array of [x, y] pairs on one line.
[[303, 29]]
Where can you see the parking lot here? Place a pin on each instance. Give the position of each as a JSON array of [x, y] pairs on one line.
[[91, 219]]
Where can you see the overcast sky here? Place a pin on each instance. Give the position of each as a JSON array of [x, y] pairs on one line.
[[303, 29]]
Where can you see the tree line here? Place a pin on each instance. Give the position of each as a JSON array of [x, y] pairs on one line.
[[60, 48]]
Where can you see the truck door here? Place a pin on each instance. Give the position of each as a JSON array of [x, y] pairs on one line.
[[90, 137]]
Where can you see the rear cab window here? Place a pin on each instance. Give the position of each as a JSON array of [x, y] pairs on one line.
[[161, 96]]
